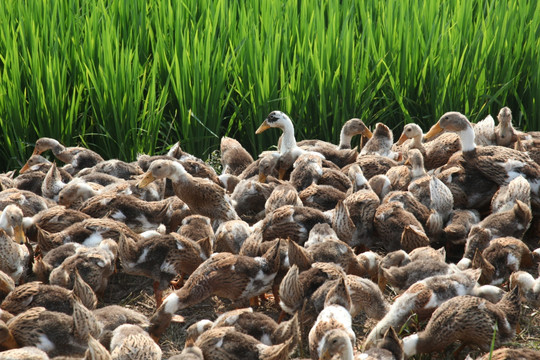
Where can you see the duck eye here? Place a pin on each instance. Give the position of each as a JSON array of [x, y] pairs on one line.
[[446, 118]]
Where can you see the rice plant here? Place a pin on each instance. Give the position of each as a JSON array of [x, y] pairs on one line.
[[124, 77]]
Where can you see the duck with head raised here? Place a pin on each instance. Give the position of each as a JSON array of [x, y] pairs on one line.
[[78, 157], [491, 164], [203, 196]]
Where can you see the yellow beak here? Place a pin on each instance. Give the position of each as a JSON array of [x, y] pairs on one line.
[[24, 168], [282, 173], [262, 178], [264, 126], [435, 129], [10, 342], [36, 151], [19, 234], [367, 133], [402, 139], [147, 179]]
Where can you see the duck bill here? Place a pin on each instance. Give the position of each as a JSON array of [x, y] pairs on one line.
[[262, 178], [367, 133], [282, 173], [326, 355], [10, 343], [435, 130], [402, 139], [24, 168], [147, 179], [264, 126], [19, 234], [36, 151], [407, 162]]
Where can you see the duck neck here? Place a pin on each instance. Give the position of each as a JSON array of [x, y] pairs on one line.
[[179, 173], [288, 140], [467, 139], [348, 353], [4, 224], [59, 151], [344, 140], [417, 142]]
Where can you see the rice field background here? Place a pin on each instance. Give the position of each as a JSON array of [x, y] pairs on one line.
[[134, 76]]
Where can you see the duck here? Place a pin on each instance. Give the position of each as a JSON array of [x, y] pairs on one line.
[[117, 168], [53, 332], [230, 236], [389, 348], [340, 154], [227, 342], [190, 352], [6, 180], [402, 175], [14, 258], [52, 184], [322, 197], [197, 227], [381, 143], [234, 158], [96, 351], [423, 297], [29, 202], [25, 353], [495, 164], [283, 194], [78, 157], [513, 222], [249, 197], [257, 324], [506, 353], [529, 287], [362, 206], [94, 264], [357, 178], [458, 226], [506, 255], [30, 181], [202, 196], [484, 131], [89, 232], [505, 197], [11, 221], [139, 215], [402, 277], [468, 319], [43, 265], [34, 294], [307, 169], [132, 342], [291, 221], [392, 224], [350, 128], [335, 315], [161, 258], [52, 220], [278, 119], [331, 250], [372, 165], [236, 277], [297, 286], [505, 134], [365, 296], [7, 285], [413, 132]]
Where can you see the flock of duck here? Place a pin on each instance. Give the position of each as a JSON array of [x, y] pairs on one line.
[[432, 238]]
